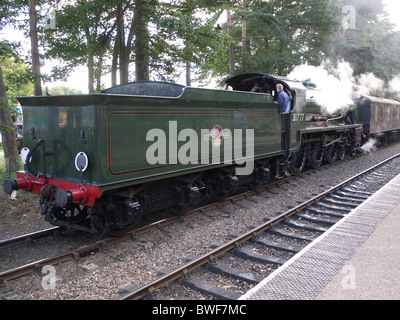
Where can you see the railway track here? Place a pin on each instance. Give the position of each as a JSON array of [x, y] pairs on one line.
[[22, 239], [235, 245], [98, 246], [35, 235], [303, 224]]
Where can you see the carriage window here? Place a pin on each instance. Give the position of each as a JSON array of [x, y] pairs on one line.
[[381, 113]]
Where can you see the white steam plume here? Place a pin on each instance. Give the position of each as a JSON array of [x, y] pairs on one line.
[[337, 87], [394, 85], [368, 84], [369, 146]]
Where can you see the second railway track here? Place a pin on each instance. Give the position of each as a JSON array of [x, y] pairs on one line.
[[272, 243]]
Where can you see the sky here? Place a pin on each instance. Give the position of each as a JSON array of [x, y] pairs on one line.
[[78, 79], [393, 8]]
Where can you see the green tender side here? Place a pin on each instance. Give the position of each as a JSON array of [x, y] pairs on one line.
[[124, 135]]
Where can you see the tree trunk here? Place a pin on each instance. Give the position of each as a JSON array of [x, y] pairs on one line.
[[244, 40], [34, 48], [99, 69], [142, 43], [123, 54], [188, 74], [244, 44], [91, 74], [231, 56], [114, 65], [7, 131]]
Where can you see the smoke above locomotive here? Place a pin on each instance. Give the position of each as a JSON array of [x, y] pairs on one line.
[[334, 88]]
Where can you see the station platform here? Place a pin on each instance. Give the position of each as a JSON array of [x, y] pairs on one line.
[[356, 259]]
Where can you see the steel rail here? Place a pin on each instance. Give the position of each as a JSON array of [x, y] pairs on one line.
[[21, 239], [99, 245], [181, 272]]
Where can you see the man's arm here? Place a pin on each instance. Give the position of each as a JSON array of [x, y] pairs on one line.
[[281, 99]]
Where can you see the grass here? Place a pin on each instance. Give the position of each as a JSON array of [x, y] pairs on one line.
[[27, 202], [3, 174]]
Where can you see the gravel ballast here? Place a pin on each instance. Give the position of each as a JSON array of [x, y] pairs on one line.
[[137, 261]]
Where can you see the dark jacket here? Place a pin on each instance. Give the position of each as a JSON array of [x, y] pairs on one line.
[[283, 101]]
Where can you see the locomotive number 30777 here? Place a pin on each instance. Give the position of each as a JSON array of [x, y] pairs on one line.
[[298, 116]]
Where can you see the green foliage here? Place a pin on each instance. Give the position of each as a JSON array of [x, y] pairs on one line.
[[283, 34], [81, 36], [373, 46], [280, 34], [182, 36], [17, 79], [63, 90]]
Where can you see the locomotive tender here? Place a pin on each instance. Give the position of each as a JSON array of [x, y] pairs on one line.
[[100, 161]]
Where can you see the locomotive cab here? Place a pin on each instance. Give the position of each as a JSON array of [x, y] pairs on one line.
[[262, 83]]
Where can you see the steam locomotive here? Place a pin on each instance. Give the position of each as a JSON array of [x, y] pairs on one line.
[[101, 161]]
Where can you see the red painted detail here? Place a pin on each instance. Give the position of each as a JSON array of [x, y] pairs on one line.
[[319, 123], [81, 194], [25, 183]]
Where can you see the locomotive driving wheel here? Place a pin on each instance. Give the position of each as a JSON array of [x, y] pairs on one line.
[[341, 152], [297, 161], [315, 153], [331, 153]]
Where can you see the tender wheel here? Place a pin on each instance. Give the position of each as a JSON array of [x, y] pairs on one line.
[[315, 154], [73, 214], [179, 210], [217, 196]]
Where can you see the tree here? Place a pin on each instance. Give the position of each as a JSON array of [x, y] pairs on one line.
[[34, 48], [123, 44], [162, 38], [140, 20], [107, 36], [372, 46], [82, 36], [17, 76], [11, 156], [231, 56], [63, 90], [186, 38], [91, 32], [281, 34]]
